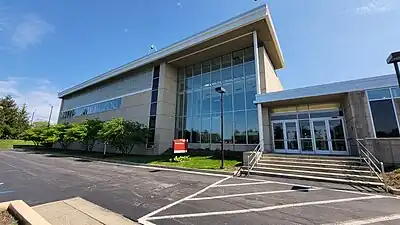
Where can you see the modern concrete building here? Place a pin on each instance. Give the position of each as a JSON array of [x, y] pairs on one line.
[[173, 92]]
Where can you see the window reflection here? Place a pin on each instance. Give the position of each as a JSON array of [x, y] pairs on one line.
[[384, 118], [198, 100]]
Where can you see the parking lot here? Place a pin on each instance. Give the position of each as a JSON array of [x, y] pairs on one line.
[[162, 196]]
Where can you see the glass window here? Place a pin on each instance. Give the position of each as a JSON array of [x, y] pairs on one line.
[[153, 108], [205, 129], [396, 92], [251, 93], [226, 61], [197, 102], [240, 127], [215, 77], [155, 84], [384, 118], [187, 124], [179, 127], [252, 127], [378, 94], [216, 128], [228, 127], [206, 80], [305, 129], [249, 69], [238, 95], [181, 86], [150, 139], [180, 105], [181, 74], [228, 103], [189, 83], [324, 114], [278, 131], [206, 105], [215, 101], [226, 75], [237, 72], [205, 66], [188, 71], [196, 129], [248, 54], [336, 129], [154, 96], [196, 82], [197, 69], [188, 104], [152, 122], [156, 72], [237, 57], [215, 64]]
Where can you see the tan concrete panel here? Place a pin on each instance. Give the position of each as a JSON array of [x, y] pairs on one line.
[[166, 95], [165, 108], [138, 99]]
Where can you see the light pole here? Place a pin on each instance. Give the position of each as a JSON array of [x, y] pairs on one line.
[[394, 58], [221, 91], [33, 115], [51, 111]]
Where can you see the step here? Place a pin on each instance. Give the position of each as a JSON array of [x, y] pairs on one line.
[[316, 168], [319, 174], [304, 177], [312, 156], [323, 164], [344, 161]]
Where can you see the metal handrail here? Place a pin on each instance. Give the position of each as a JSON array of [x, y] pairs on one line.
[[372, 162], [254, 160]]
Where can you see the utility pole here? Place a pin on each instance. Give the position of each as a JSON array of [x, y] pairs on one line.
[[51, 111], [33, 115]]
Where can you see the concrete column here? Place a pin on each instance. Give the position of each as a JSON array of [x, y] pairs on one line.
[[259, 106]]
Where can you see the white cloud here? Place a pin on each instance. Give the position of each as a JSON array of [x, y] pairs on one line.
[[37, 94], [375, 7], [30, 31], [179, 4]]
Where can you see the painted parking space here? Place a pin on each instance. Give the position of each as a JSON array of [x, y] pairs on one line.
[[256, 201]]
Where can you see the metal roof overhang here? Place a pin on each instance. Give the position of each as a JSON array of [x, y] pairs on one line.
[[190, 49]]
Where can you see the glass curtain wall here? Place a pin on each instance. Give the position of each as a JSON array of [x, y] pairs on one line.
[[198, 108]]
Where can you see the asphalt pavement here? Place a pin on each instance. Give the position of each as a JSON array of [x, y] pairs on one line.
[[162, 196]]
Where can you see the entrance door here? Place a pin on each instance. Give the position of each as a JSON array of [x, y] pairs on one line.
[[321, 142], [286, 136]]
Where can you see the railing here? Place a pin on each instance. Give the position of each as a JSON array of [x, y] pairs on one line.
[[372, 162], [255, 155]]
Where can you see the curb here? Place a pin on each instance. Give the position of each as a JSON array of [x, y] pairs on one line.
[[394, 191], [23, 212]]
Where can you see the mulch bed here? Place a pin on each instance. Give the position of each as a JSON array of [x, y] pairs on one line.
[[7, 219], [394, 178]]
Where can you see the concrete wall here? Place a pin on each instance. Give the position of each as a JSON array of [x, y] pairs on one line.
[[268, 145], [385, 150], [166, 107], [269, 80], [357, 119]]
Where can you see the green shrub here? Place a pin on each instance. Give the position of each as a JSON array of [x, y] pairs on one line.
[[180, 158]]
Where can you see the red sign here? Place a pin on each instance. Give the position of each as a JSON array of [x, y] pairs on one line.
[[180, 145]]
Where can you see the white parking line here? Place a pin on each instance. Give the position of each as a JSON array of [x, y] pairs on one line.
[[368, 221], [242, 184], [144, 219], [264, 208], [1, 183], [247, 194]]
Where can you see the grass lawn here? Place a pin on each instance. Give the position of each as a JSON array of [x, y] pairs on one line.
[[200, 162], [8, 144]]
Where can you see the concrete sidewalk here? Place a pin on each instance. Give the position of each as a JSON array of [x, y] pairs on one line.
[[78, 211]]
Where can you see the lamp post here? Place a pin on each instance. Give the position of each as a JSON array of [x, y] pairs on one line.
[[33, 115], [51, 111], [394, 58], [221, 91]]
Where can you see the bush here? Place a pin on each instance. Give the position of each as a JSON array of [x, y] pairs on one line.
[[123, 134], [87, 133]]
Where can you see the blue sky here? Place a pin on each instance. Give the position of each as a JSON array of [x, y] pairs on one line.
[[47, 46]]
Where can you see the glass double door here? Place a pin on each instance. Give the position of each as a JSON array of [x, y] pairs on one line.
[[310, 136]]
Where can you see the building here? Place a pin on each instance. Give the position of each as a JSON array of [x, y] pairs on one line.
[[173, 92]]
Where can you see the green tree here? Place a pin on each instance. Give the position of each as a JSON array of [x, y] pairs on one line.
[[123, 134], [13, 119], [89, 134], [41, 135], [60, 134]]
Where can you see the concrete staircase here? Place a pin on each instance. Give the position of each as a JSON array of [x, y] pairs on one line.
[[338, 169]]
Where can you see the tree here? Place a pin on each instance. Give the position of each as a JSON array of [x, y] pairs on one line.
[[123, 134], [62, 136], [13, 120], [86, 133]]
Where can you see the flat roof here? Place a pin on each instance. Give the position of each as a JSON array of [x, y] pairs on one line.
[[248, 18], [329, 89]]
